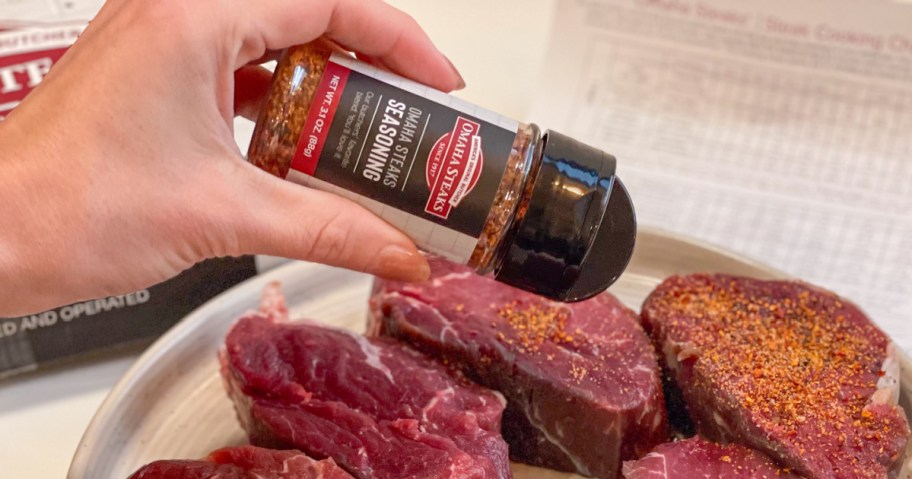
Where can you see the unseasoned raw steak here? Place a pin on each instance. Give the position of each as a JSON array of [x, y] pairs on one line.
[[700, 459], [246, 462], [581, 380], [783, 367], [380, 409]]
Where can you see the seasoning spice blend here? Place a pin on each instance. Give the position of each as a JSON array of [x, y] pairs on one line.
[[542, 212]]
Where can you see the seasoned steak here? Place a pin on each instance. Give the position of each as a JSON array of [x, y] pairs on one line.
[[781, 366], [378, 408], [581, 380], [246, 462], [699, 458]]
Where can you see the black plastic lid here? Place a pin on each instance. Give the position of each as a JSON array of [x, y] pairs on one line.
[[578, 232]]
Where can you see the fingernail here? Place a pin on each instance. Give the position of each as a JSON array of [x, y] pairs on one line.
[[462, 82], [401, 263]]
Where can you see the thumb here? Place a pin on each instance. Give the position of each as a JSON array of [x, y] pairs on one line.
[[280, 218]]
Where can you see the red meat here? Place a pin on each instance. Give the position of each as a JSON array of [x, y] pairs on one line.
[[582, 380], [698, 458], [246, 462], [783, 367], [378, 408]]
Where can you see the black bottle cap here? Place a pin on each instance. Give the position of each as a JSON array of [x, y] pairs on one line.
[[579, 228]]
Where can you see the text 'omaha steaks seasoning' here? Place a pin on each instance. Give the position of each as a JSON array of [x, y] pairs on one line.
[[542, 212]]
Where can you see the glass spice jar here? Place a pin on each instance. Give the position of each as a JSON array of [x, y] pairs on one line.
[[541, 212]]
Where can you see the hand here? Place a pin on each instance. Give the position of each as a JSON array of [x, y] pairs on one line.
[[121, 170]]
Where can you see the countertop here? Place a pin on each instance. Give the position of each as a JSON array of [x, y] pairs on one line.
[[498, 46]]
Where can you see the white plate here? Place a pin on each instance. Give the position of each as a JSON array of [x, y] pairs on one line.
[[171, 404]]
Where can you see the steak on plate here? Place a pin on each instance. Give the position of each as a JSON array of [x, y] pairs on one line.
[[699, 458], [378, 408], [245, 462], [784, 367], [582, 380]]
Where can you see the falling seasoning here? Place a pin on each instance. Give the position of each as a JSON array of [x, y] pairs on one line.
[[542, 212]]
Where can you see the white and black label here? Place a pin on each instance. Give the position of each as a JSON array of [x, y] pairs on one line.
[[426, 162]]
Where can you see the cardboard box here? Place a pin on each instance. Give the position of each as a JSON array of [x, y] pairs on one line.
[[130, 320], [27, 53]]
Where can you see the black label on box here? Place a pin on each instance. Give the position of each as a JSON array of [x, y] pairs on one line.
[[69, 331]]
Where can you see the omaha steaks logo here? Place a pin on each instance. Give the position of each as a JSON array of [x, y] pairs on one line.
[[453, 167]]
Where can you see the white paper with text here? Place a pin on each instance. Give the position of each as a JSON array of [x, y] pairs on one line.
[[780, 129]]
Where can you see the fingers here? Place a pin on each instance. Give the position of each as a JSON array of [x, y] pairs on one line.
[[251, 85], [370, 27], [283, 219]]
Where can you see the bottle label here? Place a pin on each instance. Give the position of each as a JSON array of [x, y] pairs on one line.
[[426, 162]]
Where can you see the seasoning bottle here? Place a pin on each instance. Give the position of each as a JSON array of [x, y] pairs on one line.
[[541, 212]]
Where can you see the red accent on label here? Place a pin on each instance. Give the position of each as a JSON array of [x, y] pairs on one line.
[[19, 74], [322, 111], [453, 168]]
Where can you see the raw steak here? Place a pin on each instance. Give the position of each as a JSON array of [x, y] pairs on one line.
[[378, 408], [581, 380], [783, 367], [699, 458], [246, 462]]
